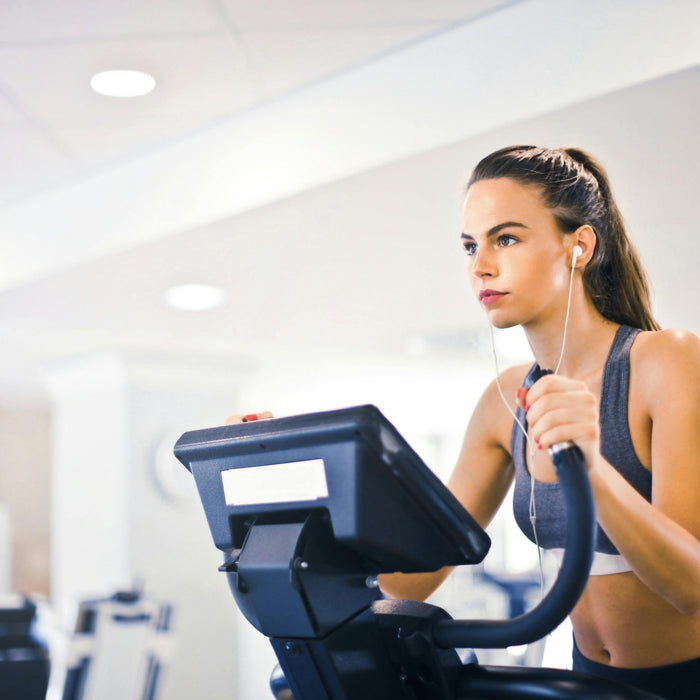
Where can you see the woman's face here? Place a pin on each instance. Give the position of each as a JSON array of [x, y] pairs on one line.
[[519, 261]]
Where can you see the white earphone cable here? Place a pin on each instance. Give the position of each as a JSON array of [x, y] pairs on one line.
[[532, 450], [568, 307], [532, 511]]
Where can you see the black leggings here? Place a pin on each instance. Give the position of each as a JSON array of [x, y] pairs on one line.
[[674, 682]]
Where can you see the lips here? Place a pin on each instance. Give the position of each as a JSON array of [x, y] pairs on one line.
[[490, 296]]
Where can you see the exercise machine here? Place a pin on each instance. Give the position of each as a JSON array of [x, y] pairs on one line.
[[308, 510], [119, 647], [24, 659]]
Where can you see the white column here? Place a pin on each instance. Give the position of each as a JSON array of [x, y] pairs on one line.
[[89, 503]]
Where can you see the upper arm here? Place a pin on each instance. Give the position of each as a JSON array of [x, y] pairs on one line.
[[484, 470], [479, 481], [671, 365]]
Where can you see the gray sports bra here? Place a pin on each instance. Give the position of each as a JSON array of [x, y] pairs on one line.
[[616, 447]]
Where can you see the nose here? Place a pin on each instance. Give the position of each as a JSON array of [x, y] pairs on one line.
[[482, 264]]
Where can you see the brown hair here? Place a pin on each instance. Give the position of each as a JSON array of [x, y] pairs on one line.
[[576, 188]]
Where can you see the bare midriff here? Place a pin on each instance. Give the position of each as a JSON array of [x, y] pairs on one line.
[[619, 622]]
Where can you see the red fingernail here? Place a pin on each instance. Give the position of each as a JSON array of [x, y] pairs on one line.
[[519, 393], [250, 416], [527, 408], [539, 445]]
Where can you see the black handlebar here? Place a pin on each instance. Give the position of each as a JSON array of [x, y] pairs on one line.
[[580, 538]]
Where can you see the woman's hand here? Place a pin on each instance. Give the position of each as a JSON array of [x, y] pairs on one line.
[[560, 409], [247, 417]]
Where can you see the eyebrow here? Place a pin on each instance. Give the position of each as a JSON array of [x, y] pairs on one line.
[[497, 229]]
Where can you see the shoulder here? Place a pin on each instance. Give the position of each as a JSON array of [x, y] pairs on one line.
[[667, 361], [486, 445], [509, 379], [654, 349], [492, 415]]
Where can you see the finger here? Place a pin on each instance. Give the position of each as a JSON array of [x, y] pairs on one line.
[[566, 424], [581, 400], [577, 433], [236, 418], [263, 415], [525, 397], [549, 411], [549, 384], [570, 418]]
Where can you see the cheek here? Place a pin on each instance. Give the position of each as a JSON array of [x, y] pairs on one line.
[[559, 277], [546, 272]]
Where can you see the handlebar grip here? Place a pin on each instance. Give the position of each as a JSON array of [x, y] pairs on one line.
[[573, 574]]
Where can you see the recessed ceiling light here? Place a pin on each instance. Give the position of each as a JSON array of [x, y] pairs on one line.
[[195, 297], [122, 83]]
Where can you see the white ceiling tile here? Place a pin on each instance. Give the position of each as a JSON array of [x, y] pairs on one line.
[[102, 144], [205, 76], [316, 13], [41, 20], [30, 163], [9, 114], [283, 60], [207, 69]]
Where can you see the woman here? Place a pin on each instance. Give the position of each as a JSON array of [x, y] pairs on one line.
[[525, 211], [622, 386]]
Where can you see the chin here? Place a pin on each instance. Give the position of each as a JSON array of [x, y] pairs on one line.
[[503, 323]]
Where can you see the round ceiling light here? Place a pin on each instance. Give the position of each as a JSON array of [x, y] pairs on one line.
[[122, 83], [195, 297]]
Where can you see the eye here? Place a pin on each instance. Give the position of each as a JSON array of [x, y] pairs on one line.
[[505, 240], [469, 248]]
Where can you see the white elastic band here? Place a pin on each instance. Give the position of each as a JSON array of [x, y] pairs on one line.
[[603, 564]]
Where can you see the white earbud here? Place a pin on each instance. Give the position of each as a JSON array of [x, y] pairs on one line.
[[575, 253]]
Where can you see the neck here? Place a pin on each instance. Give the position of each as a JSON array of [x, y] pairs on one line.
[[588, 339]]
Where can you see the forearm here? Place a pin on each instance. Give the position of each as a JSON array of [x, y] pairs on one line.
[[663, 554], [413, 586]]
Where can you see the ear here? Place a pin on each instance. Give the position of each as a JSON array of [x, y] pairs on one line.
[[585, 238]]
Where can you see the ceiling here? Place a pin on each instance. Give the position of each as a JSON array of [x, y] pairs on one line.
[[308, 156], [213, 59]]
